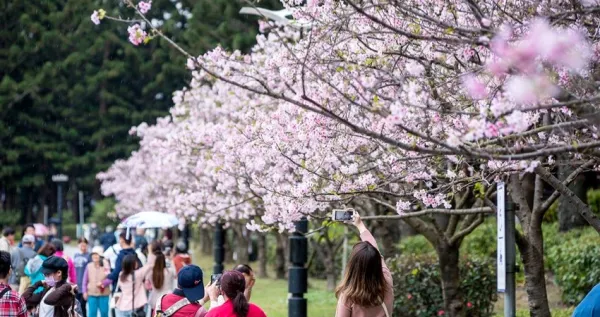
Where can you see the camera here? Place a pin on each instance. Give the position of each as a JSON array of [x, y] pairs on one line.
[[342, 214], [215, 279]]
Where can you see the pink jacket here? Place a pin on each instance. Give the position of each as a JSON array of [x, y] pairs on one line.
[[72, 273], [129, 291]]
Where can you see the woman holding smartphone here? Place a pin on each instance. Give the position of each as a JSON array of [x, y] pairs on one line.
[[366, 290]]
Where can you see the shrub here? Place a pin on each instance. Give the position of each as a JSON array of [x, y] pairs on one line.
[[575, 263], [418, 290], [10, 218], [415, 245], [551, 215], [103, 213], [593, 199], [481, 243]]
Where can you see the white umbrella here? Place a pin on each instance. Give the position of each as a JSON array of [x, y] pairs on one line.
[[150, 219]]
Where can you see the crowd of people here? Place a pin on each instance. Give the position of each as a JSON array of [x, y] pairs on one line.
[[131, 278]]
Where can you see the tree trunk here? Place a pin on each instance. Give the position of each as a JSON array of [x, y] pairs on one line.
[[449, 260], [262, 255], [532, 255], [569, 216], [280, 256], [206, 241], [243, 242], [230, 238], [331, 274], [389, 234]]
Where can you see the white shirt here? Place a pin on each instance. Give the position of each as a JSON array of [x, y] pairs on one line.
[[45, 309], [111, 254]]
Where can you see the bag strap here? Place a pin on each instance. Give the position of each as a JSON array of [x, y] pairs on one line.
[[177, 306], [385, 309], [4, 291], [158, 306], [133, 291], [387, 314]]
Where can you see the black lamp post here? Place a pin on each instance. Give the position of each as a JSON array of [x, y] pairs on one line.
[[59, 179], [219, 248], [298, 273]]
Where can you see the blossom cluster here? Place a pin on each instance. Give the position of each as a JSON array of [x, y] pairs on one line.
[[403, 103]]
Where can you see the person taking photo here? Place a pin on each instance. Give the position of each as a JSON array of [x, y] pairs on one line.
[[232, 287], [366, 289]]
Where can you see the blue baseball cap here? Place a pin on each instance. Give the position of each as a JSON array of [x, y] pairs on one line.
[[190, 282]]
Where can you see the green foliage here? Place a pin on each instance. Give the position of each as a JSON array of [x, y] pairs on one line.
[[593, 199], [415, 245], [575, 262], [9, 218], [70, 90], [551, 214], [103, 213], [418, 291], [481, 243]]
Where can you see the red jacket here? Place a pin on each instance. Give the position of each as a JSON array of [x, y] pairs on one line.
[[226, 310], [193, 309]]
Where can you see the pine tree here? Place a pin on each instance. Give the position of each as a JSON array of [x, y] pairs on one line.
[[70, 90]]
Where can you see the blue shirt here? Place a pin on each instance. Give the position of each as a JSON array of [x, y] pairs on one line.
[[80, 261], [590, 305]]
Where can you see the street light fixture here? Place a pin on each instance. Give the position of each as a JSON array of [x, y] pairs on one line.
[[277, 16], [59, 179]]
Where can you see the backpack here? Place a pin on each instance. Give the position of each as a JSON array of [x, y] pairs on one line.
[[159, 312], [20, 270], [75, 309]]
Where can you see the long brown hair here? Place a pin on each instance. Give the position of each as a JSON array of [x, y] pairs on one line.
[[128, 266], [363, 282], [158, 271]]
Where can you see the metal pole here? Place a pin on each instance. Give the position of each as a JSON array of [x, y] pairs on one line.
[[345, 254], [81, 208], [510, 294], [59, 207], [80, 200], [298, 273], [46, 215], [219, 249]]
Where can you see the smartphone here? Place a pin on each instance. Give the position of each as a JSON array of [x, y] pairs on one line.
[[215, 279], [342, 214]]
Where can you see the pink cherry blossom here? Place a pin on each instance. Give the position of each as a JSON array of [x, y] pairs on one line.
[[95, 18], [144, 6], [136, 34]]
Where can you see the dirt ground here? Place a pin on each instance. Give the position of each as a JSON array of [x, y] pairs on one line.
[[553, 298]]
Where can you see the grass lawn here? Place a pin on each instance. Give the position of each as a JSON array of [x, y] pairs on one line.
[[271, 294]]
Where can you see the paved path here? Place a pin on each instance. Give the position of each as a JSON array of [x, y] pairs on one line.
[[70, 249]]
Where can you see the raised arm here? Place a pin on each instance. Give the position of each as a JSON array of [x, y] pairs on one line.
[[366, 236], [62, 296], [31, 299]]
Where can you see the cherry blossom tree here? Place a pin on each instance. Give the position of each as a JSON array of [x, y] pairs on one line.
[[417, 107]]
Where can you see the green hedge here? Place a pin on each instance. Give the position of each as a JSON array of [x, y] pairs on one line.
[[575, 263], [418, 289]]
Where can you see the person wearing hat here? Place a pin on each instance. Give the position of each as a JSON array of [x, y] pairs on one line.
[[57, 296], [93, 291], [184, 300], [19, 257]]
